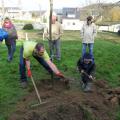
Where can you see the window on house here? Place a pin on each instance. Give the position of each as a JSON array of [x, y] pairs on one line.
[[73, 23]]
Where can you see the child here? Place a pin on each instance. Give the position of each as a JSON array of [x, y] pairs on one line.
[[86, 67]]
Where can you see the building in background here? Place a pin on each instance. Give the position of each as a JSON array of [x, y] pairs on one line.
[[12, 12], [71, 13], [71, 19]]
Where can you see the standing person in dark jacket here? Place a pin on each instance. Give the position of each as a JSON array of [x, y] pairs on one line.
[[10, 41], [86, 66]]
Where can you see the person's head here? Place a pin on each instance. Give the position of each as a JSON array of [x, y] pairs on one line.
[[87, 58], [40, 49], [89, 20], [7, 19], [7, 23], [54, 18]]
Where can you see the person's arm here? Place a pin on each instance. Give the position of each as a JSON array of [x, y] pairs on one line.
[[15, 32], [61, 30], [82, 32], [54, 68], [29, 73], [94, 30], [80, 66], [92, 71], [51, 64], [46, 34]]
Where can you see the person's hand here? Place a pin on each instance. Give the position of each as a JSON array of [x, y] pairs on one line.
[[59, 74], [90, 76], [82, 71], [29, 73]]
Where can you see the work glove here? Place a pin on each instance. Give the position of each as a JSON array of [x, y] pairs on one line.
[[82, 71], [91, 77], [29, 73], [59, 74]]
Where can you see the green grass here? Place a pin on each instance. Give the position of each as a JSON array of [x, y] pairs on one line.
[[106, 52]]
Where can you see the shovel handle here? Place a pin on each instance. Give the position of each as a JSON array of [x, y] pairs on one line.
[[87, 75]]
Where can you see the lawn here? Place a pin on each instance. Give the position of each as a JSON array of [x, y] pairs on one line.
[[106, 52]]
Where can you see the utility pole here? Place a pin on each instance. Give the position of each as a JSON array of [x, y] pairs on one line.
[[3, 9], [50, 36], [50, 27]]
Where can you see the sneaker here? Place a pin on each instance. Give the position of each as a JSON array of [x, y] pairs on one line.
[[24, 84], [88, 87], [9, 59]]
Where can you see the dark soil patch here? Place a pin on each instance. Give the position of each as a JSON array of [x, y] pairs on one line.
[[63, 104]]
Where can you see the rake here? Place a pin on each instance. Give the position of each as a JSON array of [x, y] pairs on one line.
[[37, 93]]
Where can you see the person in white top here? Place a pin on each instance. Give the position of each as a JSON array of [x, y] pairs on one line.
[[88, 33]]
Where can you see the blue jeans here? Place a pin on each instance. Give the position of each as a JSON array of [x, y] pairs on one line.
[[84, 47], [54, 45], [22, 67], [11, 50]]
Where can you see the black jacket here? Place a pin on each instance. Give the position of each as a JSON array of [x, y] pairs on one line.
[[88, 68]]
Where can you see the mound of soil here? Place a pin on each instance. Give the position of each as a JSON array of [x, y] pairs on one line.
[[64, 104]]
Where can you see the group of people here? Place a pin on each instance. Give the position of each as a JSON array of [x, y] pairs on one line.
[[86, 64]]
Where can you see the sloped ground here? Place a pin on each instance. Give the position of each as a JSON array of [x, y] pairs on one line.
[[68, 104]]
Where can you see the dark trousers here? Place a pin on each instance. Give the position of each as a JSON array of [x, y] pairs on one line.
[[22, 67], [11, 49], [85, 79]]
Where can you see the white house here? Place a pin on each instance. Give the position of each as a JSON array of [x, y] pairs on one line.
[[110, 28], [26, 15], [72, 24], [12, 12], [71, 19]]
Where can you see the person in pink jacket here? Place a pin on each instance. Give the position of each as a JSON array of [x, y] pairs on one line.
[[10, 41]]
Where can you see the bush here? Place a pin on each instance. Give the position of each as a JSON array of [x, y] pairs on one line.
[[28, 27], [118, 32]]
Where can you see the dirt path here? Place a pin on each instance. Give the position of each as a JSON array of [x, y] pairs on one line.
[[63, 104]]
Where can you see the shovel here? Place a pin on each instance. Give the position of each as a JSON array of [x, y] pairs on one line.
[[37, 93], [88, 76], [93, 78]]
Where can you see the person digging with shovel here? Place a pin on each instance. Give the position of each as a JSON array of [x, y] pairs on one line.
[[37, 50], [86, 67]]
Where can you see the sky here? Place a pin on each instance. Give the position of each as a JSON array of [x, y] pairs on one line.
[[57, 4]]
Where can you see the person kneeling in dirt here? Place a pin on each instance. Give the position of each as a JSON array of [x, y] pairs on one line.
[[86, 66], [37, 50]]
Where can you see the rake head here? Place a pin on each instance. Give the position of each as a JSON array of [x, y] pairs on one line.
[[37, 104]]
